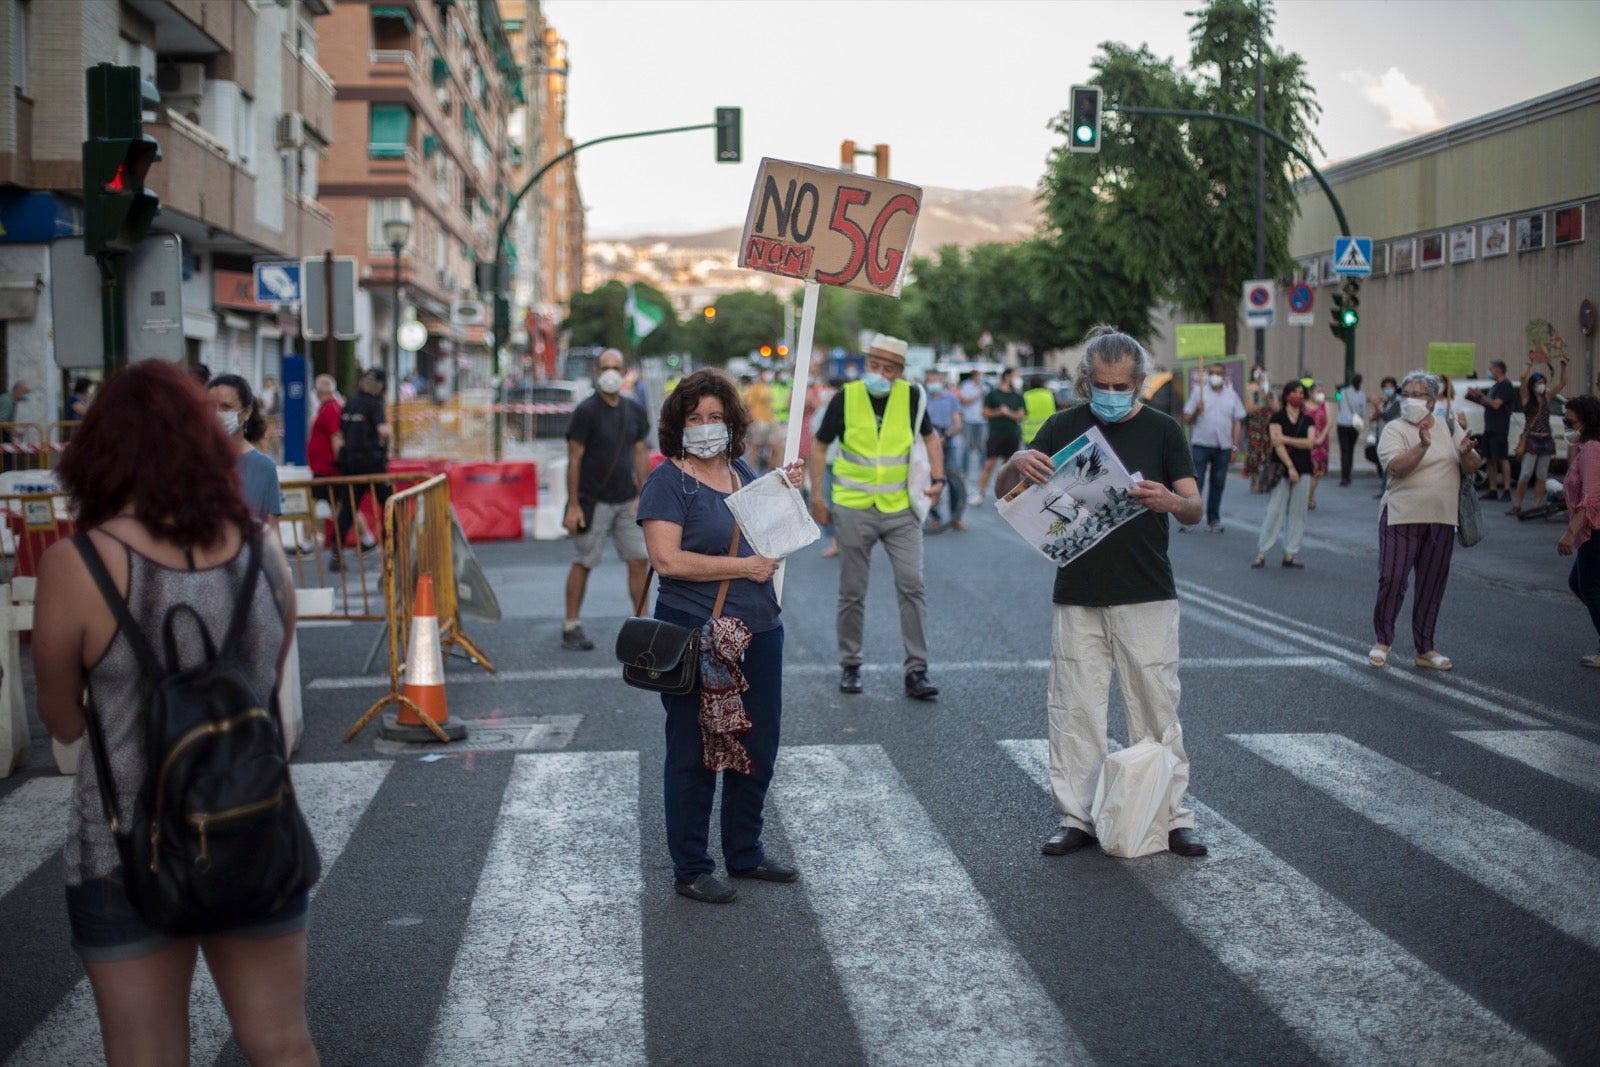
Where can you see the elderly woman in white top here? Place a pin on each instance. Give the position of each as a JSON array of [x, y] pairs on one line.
[[1426, 458]]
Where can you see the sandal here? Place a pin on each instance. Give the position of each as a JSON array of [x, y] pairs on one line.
[[1378, 657], [1433, 661], [1290, 561], [1513, 510], [1261, 561]]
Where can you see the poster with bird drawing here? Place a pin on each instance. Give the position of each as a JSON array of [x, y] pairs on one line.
[[1084, 500]]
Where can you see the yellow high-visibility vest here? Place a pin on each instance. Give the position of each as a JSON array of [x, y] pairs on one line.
[[671, 384], [780, 402], [874, 463], [1040, 404]]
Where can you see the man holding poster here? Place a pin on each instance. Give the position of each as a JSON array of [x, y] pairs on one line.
[[1116, 606], [872, 419]]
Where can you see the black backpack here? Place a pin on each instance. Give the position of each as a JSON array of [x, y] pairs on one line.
[[216, 839]]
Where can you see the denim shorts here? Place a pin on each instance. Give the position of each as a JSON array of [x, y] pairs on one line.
[[106, 929]]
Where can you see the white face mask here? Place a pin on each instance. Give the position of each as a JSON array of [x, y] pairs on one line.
[[1539, 387], [1413, 410], [1216, 381], [706, 441], [610, 381], [1573, 436], [1319, 396], [230, 422]]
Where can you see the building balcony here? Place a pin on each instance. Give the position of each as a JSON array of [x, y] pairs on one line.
[[308, 229], [308, 90]]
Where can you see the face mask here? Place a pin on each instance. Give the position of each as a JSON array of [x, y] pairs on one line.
[[1319, 397], [877, 384], [610, 381], [1216, 381], [1573, 436], [1413, 410], [1539, 388], [1109, 406], [706, 441], [1388, 391], [1295, 400], [935, 388], [230, 422]]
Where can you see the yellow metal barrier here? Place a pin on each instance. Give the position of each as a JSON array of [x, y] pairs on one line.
[[23, 447], [416, 540]]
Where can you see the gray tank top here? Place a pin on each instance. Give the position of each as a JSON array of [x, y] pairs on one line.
[[115, 684]]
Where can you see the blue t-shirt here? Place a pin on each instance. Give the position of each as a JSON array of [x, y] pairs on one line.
[[675, 496], [259, 478]]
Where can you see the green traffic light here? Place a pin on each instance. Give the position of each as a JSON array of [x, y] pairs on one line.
[[1085, 133], [1350, 318]]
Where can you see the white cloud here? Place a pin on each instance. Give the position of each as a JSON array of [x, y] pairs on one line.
[[1409, 108]]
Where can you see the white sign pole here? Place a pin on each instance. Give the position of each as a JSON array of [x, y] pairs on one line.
[[799, 384]]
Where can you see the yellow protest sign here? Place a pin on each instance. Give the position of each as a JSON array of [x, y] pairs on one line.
[[1202, 340], [1457, 359]]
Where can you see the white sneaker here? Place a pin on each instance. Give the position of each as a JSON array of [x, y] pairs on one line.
[[975, 502], [308, 547], [1591, 660]]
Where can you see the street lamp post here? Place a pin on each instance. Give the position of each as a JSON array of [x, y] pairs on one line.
[[396, 232]]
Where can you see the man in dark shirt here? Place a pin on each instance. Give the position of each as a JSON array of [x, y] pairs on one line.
[[1006, 411], [1498, 403], [1116, 606], [606, 466], [362, 447]]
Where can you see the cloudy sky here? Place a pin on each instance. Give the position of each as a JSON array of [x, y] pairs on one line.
[[963, 90]]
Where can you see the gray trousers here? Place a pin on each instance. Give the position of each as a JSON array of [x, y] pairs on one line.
[[901, 535]]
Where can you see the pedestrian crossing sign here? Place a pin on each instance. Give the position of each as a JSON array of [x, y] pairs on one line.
[[1352, 256]]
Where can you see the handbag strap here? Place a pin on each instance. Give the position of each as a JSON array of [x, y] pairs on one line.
[[722, 591]]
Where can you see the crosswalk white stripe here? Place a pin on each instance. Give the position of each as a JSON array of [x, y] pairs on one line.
[[333, 797], [550, 966], [1350, 991], [929, 974], [1571, 759], [33, 823], [1530, 869]]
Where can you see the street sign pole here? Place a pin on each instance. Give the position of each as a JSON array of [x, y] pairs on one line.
[[330, 364], [1302, 373]]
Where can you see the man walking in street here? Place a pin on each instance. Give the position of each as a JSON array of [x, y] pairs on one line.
[[763, 436], [1498, 403], [1116, 606], [606, 467], [872, 420], [1214, 415], [973, 428], [944, 411], [361, 447], [1352, 410], [1004, 409], [320, 453]]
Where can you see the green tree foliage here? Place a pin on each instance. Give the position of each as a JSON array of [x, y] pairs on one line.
[[596, 317], [1172, 201], [745, 321]]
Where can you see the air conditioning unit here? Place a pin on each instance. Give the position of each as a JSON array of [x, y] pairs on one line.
[[181, 79], [291, 130], [468, 313]]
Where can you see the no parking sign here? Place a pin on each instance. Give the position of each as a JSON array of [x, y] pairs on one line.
[[1260, 303]]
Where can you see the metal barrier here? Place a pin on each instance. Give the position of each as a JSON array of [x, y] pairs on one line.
[[309, 531], [32, 523], [417, 540], [23, 447]]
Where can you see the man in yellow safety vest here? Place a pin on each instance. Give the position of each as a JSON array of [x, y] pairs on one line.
[[1039, 404], [872, 420]]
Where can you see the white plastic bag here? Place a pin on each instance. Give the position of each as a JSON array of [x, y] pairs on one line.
[[919, 477], [1132, 810], [773, 517]]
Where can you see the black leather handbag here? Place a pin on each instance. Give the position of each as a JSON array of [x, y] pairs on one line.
[[664, 657]]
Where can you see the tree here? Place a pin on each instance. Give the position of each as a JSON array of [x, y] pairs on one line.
[[597, 318], [1176, 197], [745, 321]]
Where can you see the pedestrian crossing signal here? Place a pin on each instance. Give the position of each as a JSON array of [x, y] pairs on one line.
[[1083, 132]]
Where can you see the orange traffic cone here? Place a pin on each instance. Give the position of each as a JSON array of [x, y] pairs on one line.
[[424, 713]]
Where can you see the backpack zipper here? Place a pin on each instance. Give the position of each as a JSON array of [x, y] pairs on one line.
[[172, 754], [203, 819]]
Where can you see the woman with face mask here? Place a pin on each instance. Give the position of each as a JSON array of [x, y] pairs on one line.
[[242, 421], [1426, 459], [1538, 445], [1294, 435], [688, 530], [1581, 428]]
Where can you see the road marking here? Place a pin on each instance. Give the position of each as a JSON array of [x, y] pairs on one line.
[[614, 673], [33, 823], [332, 796], [1571, 759], [929, 974], [550, 968], [1347, 989], [1530, 869]]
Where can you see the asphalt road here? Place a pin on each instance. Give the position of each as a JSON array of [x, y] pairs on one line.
[[1403, 864]]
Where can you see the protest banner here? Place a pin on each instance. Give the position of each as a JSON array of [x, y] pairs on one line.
[[1456, 359]]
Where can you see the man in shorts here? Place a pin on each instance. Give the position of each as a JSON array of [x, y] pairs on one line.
[[1498, 402], [606, 467]]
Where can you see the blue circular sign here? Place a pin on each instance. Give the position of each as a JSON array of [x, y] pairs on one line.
[[1260, 296], [1301, 297]]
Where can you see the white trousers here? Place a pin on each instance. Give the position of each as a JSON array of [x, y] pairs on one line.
[[1141, 642]]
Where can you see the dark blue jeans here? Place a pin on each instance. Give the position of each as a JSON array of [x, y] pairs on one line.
[[955, 481], [688, 788], [1213, 463], [1585, 578]]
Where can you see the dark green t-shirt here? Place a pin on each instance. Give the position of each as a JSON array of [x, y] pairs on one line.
[[1003, 426], [1130, 565]]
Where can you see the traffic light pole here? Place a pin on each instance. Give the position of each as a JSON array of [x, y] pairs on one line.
[[1333, 201], [113, 313]]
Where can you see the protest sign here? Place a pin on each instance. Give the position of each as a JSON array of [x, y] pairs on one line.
[[1454, 359]]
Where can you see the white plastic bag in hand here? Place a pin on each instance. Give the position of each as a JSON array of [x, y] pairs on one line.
[[1132, 809], [773, 516]]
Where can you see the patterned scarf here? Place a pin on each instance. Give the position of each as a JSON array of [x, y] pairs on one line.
[[722, 717]]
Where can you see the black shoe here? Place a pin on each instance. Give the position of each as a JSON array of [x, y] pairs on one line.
[[850, 680], [769, 871], [1506, 496], [335, 561], [1290, 561], [1185, 842], [918, 687], [933, 527], [707, 889], [575, 640], [1067, 839]]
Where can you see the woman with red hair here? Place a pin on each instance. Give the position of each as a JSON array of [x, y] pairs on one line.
[[154, 480]]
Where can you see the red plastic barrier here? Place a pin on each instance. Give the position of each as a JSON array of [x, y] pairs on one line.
[[489, 498], [32, 543], [656, 459]]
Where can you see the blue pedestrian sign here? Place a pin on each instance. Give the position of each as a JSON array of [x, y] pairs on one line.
[[1352, 256], [278, 283]]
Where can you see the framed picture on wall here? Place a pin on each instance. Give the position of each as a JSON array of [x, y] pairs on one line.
[[1380, 259], [1496, 238], [1403, 255], [1325, 269], [1432, 250], [1463, 244], [1569, 225], [1530, 232]]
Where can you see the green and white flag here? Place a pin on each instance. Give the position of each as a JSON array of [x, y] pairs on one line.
[[643, 317]]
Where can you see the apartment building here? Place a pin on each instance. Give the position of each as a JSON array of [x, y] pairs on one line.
[[425, 91], [244, 122]]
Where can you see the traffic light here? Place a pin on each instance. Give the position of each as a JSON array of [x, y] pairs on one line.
[[1083, 135], [710, 312], [117, 209], [766, 351], [1352, 301], [783, 351], [730, 134]]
